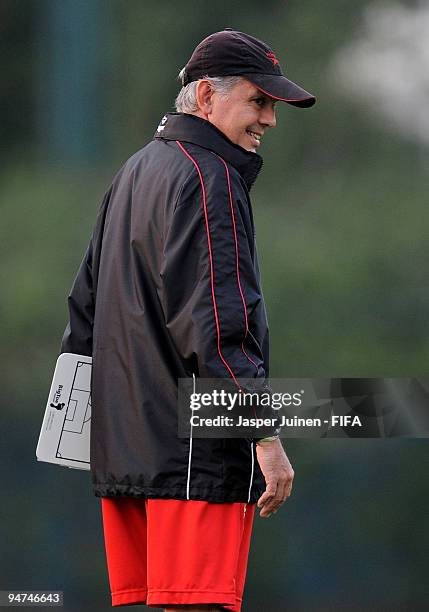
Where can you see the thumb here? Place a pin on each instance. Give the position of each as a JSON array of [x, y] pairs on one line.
[[268, 494]]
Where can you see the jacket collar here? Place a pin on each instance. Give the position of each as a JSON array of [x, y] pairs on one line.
[[192, 129]]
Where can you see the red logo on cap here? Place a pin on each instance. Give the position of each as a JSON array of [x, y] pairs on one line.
[[271, 55]]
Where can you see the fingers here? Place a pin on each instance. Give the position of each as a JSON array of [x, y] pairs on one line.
[[275, 496], [266, 501], [278, 474]]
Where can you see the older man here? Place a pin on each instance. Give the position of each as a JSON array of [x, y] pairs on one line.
[[169, 288]]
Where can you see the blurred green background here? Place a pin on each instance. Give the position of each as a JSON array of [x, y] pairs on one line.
[[342, 223]]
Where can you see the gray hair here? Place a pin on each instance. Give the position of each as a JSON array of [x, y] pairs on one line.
[[186, 101]]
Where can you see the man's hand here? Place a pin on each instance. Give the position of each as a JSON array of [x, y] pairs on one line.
[[278, 474]]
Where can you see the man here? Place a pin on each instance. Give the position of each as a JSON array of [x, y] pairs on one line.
[[169, 288]]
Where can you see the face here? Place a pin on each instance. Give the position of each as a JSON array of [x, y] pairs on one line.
[[243, 115]]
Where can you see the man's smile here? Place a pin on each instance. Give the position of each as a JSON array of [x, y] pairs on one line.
[[255, 137]]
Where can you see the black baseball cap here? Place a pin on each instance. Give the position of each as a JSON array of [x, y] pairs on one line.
[[233, 53]]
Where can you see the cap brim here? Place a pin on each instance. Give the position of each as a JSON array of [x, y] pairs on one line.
[[280, 88]]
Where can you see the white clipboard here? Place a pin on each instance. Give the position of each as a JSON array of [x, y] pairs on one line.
[[65, 434]]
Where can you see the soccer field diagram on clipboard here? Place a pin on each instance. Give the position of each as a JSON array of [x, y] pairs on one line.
[[65, 434]]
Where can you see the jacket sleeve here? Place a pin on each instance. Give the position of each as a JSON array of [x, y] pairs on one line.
[[78, 335], [210, 287]]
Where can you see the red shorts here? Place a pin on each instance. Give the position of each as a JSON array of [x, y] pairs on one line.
[[166, 551]]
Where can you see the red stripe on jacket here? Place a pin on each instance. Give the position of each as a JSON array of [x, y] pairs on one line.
[[236, 261], [211, 262]]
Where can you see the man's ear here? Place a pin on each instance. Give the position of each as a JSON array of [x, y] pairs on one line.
[[204, 95]]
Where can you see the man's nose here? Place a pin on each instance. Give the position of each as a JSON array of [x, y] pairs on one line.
[[268, 116]]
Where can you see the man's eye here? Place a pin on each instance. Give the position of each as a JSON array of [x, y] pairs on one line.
[[260, 101]]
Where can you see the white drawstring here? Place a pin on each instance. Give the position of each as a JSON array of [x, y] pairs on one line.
[[190, 451], [251, 473]]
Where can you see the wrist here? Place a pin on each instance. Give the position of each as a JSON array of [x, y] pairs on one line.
[[267, 440]]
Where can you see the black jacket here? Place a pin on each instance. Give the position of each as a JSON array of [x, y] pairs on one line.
[[169, 287]]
